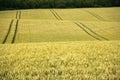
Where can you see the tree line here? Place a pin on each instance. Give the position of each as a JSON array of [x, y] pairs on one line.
[[29, 4]]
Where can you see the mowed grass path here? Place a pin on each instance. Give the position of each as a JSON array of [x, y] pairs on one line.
[[60, 44]]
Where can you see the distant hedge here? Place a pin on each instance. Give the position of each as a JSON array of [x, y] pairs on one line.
[[26, 4]]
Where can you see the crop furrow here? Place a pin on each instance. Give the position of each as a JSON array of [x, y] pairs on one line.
[[87, 31], [95, 15], [10, 26], [15, 33]]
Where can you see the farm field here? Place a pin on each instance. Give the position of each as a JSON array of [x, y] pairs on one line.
[[61, 61], [105, 14], [3, 29], [60, 44], [108, 30]]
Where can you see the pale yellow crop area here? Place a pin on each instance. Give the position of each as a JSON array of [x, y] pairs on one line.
[[38, 14], [111, 30], [49, 31], [4, 25], [107, 14], [60, 44], [8, 14], [61, 61]]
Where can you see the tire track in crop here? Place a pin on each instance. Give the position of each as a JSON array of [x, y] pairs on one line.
[[10, 26], [95, 15], [18, 15], [86, 31], [15, 33], [56, 14], [93, 32], [90, 32]]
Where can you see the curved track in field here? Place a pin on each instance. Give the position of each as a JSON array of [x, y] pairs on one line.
[[10, 26], [95, 15], [55, 14], [15, 33], [18, 15], [93, 32], [90, 32]]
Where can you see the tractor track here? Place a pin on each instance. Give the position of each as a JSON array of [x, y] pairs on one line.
[[95, 15], [56, 14], [86, 31], [18, 17], [10, 26], [90, 32], [19, 14], [93, 32], [15, 33], [16, 14]]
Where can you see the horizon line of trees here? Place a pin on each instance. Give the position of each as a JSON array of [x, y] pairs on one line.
[[29, 4]]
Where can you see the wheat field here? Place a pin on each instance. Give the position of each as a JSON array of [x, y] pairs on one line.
[[60, 44], [61, 61]]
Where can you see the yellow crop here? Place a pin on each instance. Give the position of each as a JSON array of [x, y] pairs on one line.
[[60, 44]]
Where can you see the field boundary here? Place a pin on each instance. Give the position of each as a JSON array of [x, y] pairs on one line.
[[55, 14], [90, 32], [15, 33], [95, 15], [10, 26]]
